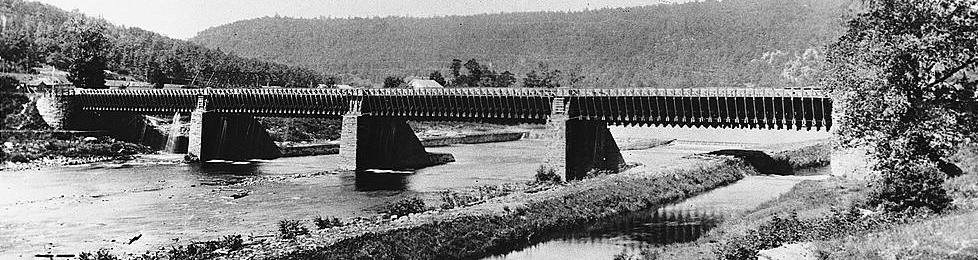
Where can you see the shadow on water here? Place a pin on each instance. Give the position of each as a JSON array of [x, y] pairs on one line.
[[632, 231], [374, 181], [225, 173]]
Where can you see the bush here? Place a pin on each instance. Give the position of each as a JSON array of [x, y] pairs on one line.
[[548, 175], [290, 229], [324, 223], [101, 254], [406, 206], [8, 83], [785, 230], [454, 199], [909, 184]]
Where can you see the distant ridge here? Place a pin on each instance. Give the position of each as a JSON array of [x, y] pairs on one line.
[[699, 44]]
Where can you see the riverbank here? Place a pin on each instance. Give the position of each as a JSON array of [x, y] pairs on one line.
[[39, 149], [512, 217], [501, 223], [950, 235]]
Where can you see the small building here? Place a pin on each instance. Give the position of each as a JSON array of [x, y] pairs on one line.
[[423, 83]]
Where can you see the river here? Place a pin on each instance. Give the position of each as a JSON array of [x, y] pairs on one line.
[[83, 208]]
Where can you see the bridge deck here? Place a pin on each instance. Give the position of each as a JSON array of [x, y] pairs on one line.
[[741, 108]]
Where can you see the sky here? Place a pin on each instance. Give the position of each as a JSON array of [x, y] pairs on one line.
[[183, 19]]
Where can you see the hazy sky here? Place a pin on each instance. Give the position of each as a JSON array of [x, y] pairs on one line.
[[182, 19]]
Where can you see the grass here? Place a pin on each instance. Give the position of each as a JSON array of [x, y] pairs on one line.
[[950, 236], [570, 206], [808, 199]]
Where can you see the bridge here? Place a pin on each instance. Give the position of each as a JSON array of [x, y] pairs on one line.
[[374, 133]]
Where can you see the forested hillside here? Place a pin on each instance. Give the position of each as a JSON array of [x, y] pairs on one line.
[[35, 34], [769, 43]]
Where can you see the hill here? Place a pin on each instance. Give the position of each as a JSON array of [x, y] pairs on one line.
[[697, 44], [34, 34]]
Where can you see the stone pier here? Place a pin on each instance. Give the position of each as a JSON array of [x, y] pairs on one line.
[[373, 142], [227, 136], [577, 147]]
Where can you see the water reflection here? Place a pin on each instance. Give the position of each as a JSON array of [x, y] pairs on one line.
[[630, 232], [226, 168], [374, 181]]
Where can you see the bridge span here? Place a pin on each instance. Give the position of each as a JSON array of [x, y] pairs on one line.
[[374, 134]]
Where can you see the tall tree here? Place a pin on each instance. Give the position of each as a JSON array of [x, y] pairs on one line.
[[393, 82], [84, 45], [437, 77], [898, 75], [154, 74]]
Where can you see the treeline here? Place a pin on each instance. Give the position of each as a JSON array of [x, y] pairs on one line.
[[34, 34], [476, 75], [768, 43]]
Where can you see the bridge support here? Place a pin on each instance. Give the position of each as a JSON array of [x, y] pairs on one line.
[[577, 147], [368, 142], [380, 143], [228, 137], [590, 146]]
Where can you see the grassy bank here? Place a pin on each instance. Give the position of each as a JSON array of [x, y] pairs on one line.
[[503, 223], [815, 213]]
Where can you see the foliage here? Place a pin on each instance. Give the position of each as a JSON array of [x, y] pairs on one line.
[[37, 33], [394, 82], [692, 44], [84, 52], [576, 205], [291, 228], [548, 175], [788, 229], [324, 223], [479, 76], [899, 77], [406, 206], [8, 83], [101, 254], [551, 78], [437, 77], [453, 199]]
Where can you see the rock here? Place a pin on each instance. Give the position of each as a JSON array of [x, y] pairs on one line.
[[796, 251]]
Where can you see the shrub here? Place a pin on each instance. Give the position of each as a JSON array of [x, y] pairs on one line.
[[790, 229], [909, 184], [548, 175], [406, 206], [289, 228], [324, 223], [231, 242], [101, 254], [454, 199]]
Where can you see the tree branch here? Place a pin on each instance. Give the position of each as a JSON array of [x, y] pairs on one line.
[[952, 72]]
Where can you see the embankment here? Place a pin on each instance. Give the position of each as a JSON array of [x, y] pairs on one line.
[[504, 223]]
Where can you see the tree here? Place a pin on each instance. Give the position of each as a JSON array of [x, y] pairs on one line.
[[437, 77], [154, 74], [898, 76], [84, 47], [393, 82], [455, 68]]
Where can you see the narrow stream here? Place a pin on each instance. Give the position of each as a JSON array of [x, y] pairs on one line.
[[681, 222]]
